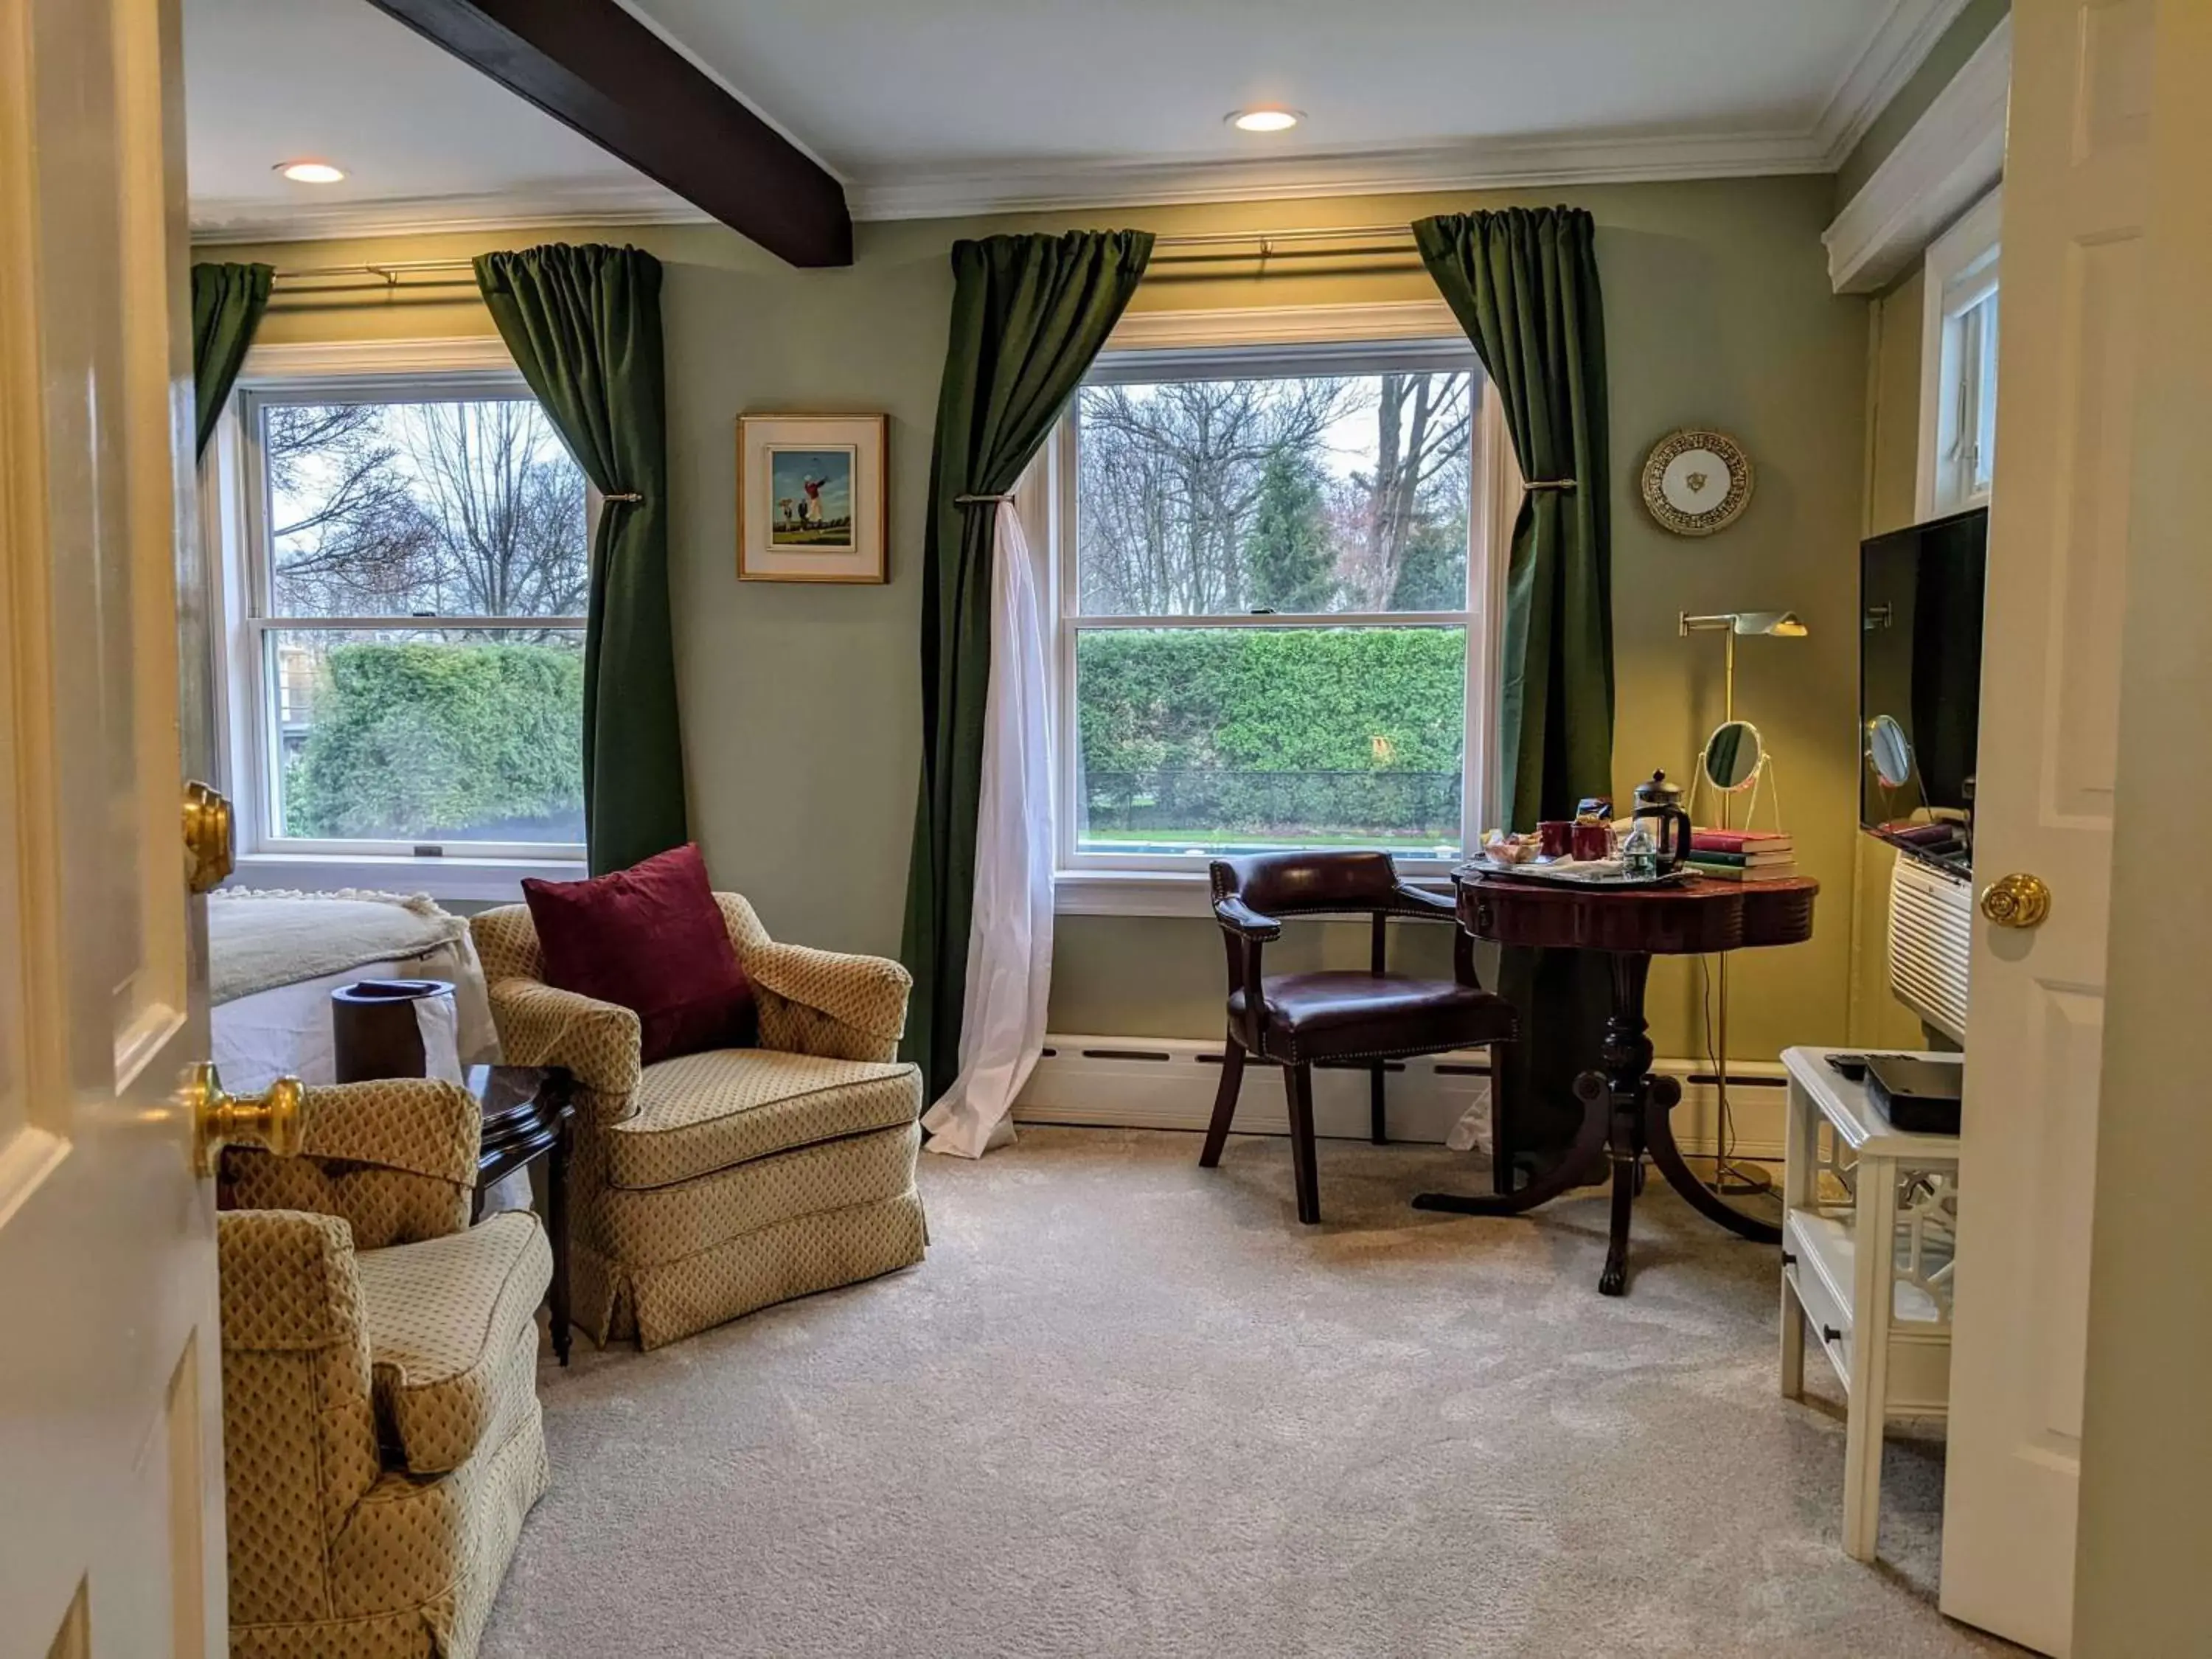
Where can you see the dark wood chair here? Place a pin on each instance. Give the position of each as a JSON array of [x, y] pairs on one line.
[[1367, 1019]]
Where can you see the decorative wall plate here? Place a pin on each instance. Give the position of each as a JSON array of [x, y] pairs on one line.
[[1697, 481]]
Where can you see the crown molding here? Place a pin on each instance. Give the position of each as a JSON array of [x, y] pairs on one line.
[[1892, 57], [217, 222], [933, 193], [1949, 160]]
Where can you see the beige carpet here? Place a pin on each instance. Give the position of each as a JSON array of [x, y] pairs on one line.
[[1130, 1407]]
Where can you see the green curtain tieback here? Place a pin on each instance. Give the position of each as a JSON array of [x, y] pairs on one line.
[[632, 495], [980, 500], [1567, 484]]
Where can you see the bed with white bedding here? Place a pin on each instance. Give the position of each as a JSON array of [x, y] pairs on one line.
[[275, 957]]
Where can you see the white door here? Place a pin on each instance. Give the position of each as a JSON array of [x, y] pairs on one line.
[[2076, 212], [111, 1471]]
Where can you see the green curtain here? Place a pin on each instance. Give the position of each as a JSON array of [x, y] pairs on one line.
[[228, 301], [584, 326], [1029, 314], [1523, 283]]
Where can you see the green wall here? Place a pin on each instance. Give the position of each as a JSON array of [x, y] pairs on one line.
[[1968, 30], [1877, 1019], [800, 702]]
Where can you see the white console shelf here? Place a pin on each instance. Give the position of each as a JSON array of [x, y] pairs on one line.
[[1868, 1218]]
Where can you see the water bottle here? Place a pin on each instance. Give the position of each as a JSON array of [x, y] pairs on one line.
[[1639, 853]]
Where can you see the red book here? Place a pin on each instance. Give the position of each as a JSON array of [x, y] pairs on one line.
[[1739, 841]]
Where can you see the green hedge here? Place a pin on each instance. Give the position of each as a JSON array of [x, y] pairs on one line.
[[413, 741], [1258, 708]]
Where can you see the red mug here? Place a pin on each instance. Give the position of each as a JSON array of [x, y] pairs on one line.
[[1555, 837], [1593, 842]]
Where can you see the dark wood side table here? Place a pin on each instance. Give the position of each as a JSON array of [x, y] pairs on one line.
[[528, 1112], [1627, 1110]]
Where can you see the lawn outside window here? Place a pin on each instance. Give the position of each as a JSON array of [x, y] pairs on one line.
[[1274, 607], [403, 604]]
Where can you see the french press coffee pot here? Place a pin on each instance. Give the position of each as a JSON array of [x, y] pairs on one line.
[[1659, 809]]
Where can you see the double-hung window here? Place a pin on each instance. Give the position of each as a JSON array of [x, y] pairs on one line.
[[1273, 599], [1959, 376], [406, 621]]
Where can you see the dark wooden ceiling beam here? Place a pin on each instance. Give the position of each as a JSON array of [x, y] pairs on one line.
[[592, 66]]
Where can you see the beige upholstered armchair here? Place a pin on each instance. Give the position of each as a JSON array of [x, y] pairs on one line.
[[711, 1184], [382, 1440]]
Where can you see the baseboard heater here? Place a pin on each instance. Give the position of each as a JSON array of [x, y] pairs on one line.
[[1168, 1082]]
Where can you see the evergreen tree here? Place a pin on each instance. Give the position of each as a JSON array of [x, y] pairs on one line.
[[1288, 559], [1433, 576]]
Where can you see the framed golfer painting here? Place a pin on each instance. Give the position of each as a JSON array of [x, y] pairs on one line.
[[810, 499]]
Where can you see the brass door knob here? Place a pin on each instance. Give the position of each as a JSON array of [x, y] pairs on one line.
[[272, 1120], [2016, 901], [207, 838]]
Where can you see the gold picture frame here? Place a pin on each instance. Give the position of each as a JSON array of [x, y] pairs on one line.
[[813, 504]]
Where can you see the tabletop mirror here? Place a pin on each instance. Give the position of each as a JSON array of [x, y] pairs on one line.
[[1733, 757], [1890, 750]]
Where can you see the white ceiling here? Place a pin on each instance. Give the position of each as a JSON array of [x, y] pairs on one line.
[[927, 107], [424, 137]]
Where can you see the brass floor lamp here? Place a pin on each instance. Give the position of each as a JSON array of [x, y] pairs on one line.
[[1734, 759]]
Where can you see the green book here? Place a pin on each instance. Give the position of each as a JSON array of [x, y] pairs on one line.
[[1780, 870]]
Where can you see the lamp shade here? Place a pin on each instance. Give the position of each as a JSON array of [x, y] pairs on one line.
[[1783, 624]]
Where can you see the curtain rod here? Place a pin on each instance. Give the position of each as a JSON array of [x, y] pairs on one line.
[[1230, 247], [1226, 244], [1307, 234], [377, 268], [326, 286]]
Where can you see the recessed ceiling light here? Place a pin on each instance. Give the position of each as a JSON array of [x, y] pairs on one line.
[[311, 172], [1267, 119]]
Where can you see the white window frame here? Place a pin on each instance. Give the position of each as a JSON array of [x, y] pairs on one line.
[[1961, 272], [234, 520], [1332, 339]]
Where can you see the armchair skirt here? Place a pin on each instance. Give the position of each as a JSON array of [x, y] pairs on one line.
[[657, 1263]]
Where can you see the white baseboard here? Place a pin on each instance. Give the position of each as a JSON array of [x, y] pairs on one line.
[[1168, 1082]]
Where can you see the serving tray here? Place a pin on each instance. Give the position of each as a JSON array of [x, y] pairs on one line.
[[1576, 873]]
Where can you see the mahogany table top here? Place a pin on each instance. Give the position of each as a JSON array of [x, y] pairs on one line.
[[1691, 918]]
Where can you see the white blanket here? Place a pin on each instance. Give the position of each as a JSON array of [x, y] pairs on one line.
[[259, 940]]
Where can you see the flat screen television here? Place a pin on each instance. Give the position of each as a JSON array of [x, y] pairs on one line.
[[1920, 682]]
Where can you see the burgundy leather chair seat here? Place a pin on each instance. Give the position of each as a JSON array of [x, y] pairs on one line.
[[1336, 1016]]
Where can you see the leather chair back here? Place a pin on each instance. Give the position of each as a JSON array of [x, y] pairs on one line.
[[1304, 883]]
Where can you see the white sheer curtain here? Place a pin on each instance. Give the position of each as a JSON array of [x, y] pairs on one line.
[[1498, 492], [1010, 937]]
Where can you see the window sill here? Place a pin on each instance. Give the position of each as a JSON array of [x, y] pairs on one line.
[[1131, 893], [1183, 893], [495, 880]]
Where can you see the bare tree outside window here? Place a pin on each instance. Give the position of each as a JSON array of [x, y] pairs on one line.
[[1319, 493], [452, 518], [1413, 494], [445, 509], [1210, 501]]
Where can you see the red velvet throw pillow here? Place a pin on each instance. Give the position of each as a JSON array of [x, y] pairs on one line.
[[650, 938]]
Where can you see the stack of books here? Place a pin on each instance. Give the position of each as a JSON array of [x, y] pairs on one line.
[[1743, 855]]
